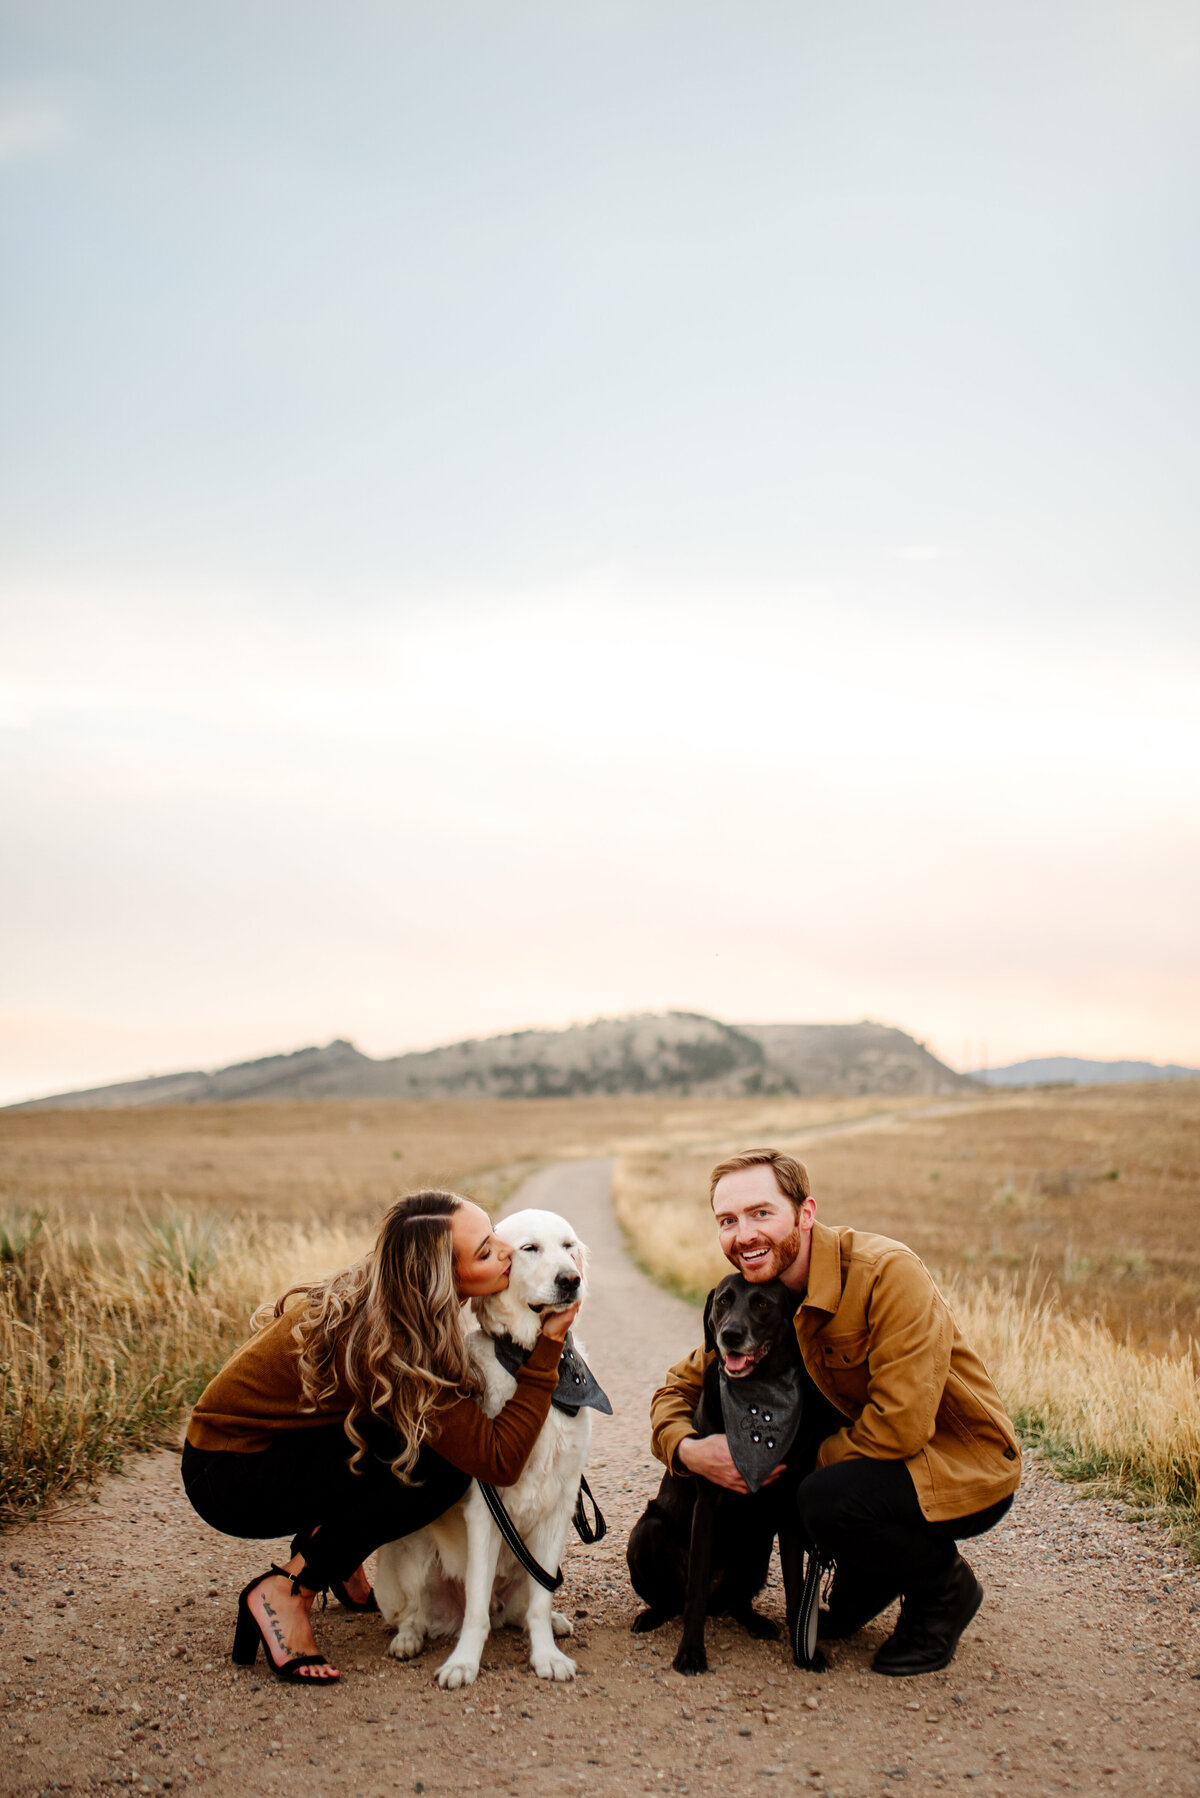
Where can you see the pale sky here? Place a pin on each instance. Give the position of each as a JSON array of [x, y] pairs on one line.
[[512, 513]]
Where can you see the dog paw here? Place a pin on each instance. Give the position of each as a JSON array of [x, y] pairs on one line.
[[553, 1665], [818, 1664], [647, 1620], [690, 1660], [406, 1643], [562, 1626], [455, 1673]]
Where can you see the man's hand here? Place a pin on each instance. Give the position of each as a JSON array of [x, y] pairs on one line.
[[709, 1457], [556, 1323]]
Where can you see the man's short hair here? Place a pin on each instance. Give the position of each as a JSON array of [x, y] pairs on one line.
[[791, 1176]]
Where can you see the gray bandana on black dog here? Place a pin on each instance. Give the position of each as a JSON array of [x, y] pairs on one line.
[[577, 1386], [761, 1421]]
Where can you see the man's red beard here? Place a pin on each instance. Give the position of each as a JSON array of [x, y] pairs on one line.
[[781, 1255]]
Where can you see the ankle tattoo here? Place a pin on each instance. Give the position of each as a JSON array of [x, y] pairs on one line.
[[274, 1623]]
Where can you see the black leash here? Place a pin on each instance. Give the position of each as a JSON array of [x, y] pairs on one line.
[[587, 1532], [807, 1654]]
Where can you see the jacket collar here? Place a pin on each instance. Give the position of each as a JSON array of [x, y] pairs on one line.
[[824, 1271]]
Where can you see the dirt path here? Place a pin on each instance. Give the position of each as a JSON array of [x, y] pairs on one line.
[[1082, 1672]]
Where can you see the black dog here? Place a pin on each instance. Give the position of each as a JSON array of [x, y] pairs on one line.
[[705, 1551]]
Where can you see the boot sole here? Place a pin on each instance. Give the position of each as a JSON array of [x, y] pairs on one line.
[[910, 1672]]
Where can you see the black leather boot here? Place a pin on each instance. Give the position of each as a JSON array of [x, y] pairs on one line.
[[853, 1601], [931, 1622]]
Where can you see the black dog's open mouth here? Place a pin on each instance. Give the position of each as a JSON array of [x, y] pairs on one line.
[[738, 1366]]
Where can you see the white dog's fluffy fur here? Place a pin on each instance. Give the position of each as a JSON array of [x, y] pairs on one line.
[[457, 1572]]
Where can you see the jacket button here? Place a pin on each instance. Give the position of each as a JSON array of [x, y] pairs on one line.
[[1010, 1454], [846, 1358]]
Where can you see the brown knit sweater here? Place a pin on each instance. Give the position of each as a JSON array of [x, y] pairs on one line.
[[257, 1393]]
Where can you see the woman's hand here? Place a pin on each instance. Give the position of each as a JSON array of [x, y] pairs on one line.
[[555, 1324]]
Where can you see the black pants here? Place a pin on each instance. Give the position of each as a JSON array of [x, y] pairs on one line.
[[865, 1515], [303, 1484]]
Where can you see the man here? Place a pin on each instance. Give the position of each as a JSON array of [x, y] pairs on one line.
[[927, 1455]]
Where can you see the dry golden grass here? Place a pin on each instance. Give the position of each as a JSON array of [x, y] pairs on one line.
[[306, 1161], [135, 1245], [105, 1336], [1105, 1411], [163, 1229], [301, 1162], [1092, 1192], [1065, 1225]]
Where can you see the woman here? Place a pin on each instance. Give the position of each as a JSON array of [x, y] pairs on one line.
[[351, 1419]]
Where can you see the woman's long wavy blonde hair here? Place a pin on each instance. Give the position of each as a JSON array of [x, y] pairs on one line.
[[390, 1326]]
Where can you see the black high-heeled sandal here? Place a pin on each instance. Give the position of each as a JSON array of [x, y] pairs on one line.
[[249, 1633], [369, 1603], [301, 1545]]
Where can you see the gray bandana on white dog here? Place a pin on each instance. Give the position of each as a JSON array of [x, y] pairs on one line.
[[761, 1421], [577, 1386]]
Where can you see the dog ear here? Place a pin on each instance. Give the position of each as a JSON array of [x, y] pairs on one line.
[[710, 1341]]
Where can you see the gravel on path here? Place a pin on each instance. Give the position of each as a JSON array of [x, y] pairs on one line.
[[1081, 1673]]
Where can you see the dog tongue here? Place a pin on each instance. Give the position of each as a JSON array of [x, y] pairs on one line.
[[738, 1363]]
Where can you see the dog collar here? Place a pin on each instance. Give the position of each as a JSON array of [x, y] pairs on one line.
[[577, 1386], [762, 1417]]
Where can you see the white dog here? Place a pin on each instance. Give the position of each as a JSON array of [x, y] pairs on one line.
[[457, 1571]]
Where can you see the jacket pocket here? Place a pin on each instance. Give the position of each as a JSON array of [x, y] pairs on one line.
[[845, 1351]]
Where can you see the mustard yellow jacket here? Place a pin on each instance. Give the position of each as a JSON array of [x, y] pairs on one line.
[[882, 1344]]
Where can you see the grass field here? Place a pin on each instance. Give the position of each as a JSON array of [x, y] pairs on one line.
[[298, 1163], [302, 1163], [134, 1245], [1066, 1225], [1093, 1195]]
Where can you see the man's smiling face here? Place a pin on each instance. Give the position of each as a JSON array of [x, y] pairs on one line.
[[760, 1230]]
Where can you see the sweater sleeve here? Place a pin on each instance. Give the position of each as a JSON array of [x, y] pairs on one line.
[[495, 1449], [673, 1407]]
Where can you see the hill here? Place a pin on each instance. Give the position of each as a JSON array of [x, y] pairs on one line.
[[650, 1052], [853, 1059], [1072, 1070]]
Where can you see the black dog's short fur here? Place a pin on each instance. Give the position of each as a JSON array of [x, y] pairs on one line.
[[705, 1551]]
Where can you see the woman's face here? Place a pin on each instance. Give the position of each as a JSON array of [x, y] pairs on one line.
[[481, 1260]]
